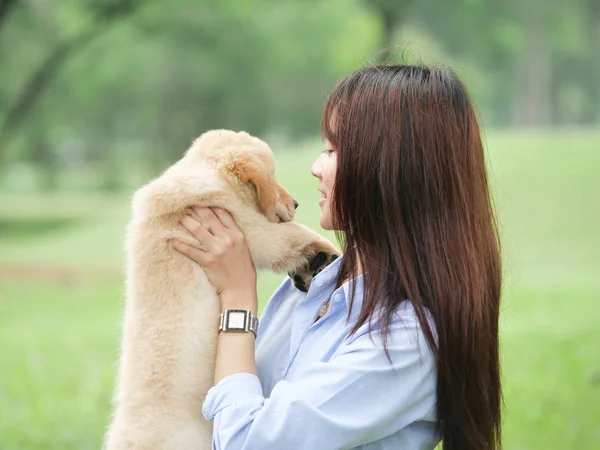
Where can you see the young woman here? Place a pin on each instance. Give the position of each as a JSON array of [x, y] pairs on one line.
[[395, 345]]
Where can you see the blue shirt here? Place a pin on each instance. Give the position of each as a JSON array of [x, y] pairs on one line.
[[317, 389]]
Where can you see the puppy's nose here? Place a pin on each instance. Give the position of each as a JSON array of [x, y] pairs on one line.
[[295, 204]]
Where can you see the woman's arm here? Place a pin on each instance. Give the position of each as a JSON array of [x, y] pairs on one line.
[[355, 398], [235, 351], [229, 267]]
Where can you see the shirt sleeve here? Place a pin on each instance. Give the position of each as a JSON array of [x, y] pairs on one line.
[[355, 398]]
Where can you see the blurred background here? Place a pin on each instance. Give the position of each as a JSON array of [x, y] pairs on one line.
[[97, 97]]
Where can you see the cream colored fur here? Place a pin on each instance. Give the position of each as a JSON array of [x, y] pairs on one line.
[[171, 310]]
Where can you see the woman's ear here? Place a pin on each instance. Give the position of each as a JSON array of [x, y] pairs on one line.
[[256, 174]]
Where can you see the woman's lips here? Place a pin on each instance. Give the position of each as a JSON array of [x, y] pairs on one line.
[[323, 198]]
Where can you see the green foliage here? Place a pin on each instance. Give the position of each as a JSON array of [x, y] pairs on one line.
[[168, 71], [536, 56], [108, 83]]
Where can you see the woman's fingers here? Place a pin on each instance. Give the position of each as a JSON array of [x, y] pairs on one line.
[[225, 256], [197, 230], [209, 220], [215, 229], [195, 254], [226, 218]]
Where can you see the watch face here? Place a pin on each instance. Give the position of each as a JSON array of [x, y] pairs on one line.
[[236, 320]]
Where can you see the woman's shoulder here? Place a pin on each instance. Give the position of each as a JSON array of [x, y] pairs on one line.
[[406, 316], [403, 333]]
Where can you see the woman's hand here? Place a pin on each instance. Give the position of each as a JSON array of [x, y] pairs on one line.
[[226, 259]]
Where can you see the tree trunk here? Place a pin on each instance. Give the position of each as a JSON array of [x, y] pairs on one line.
[[591, 62], [392, 14], [531, 106], [389, 27], [47, 167], [32, 91], [6, 6]]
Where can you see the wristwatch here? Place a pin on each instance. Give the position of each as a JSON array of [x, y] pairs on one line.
[[239, 321]]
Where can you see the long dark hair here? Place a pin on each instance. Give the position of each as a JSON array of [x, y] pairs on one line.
[[412, 203]]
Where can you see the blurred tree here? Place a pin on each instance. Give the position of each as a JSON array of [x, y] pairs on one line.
[[591, 61], [558, 77], [127, 100], [533, 55], [6, 6], [101, 15], [477, 33], [144, 90], [393, 14], [533, 88]]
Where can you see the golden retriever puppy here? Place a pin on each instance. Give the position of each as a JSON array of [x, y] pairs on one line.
[[171, 309]]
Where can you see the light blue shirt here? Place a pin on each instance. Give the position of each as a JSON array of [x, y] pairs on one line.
[[317, 389]]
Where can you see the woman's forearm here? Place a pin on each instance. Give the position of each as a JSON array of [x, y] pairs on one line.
[[235, 351]]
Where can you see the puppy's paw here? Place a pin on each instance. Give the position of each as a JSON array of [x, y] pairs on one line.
[[303, 277]]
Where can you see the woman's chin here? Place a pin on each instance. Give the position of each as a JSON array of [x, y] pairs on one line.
[[325, 223]]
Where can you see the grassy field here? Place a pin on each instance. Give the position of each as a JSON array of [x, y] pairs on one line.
[[60, 298]]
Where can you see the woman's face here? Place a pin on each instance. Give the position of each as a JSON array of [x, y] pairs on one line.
[[324, 169]]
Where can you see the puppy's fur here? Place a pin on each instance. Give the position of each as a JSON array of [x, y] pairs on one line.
[[171, 309]]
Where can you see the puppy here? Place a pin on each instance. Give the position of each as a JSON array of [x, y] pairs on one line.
[[171, 309]]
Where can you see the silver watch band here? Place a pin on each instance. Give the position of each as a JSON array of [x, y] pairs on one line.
[[239, 321]]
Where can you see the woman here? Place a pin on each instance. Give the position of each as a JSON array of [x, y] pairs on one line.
[[396, 343]]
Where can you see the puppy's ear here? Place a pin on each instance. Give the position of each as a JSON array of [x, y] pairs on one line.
[[249, 171]]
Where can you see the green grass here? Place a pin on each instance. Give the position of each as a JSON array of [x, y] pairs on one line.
[[59, 330], [58, 348]]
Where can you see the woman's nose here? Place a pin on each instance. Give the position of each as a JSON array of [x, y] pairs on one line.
[[315, 170]]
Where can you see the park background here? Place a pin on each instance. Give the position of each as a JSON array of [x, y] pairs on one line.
[[97, 97]]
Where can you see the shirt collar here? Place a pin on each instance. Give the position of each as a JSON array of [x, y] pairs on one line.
[[327, 279]]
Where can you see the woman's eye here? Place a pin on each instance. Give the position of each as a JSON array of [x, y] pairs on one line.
[[327, 151]]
